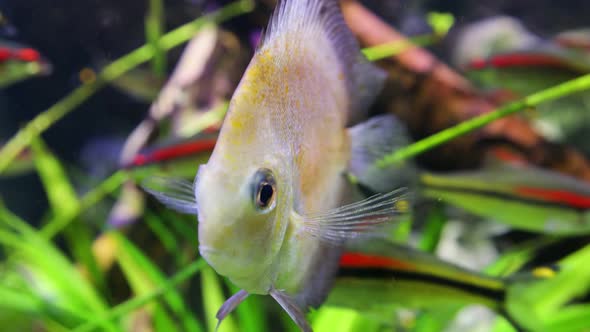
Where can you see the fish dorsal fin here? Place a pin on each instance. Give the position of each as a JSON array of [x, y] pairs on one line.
[[306, 18]]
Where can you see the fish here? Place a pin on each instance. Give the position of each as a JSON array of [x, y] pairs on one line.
[[529, 70], [531, 198], [576, 39], [381, 275], [525, 198], [274, 203], [524, 70], [502, 53], [19, 62], [484, 38]]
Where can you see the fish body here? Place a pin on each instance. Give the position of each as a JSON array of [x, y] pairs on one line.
[[491, 36], [526, 68], [501, 53], [387, 274], [575, 39], [525, 198], [273, 202], [282, 121], [528, 71]]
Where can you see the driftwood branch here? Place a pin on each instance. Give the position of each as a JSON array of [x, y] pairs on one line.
[[429, 96]]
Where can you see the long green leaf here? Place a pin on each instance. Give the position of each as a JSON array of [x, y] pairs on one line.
[[144, 276], [65, 205], [62, 196], [213, 298], [48, 272], [108, 186], [138, 302], [154, 26], [539, 303]]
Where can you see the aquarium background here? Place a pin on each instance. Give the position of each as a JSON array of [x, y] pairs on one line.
[[117, 246]]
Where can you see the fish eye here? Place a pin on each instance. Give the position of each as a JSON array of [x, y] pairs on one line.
[[264, 190]]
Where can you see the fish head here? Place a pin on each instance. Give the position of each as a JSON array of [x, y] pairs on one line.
[[243, 208]]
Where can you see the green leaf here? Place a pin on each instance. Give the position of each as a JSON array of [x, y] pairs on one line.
[[144, 276], [137, 302], [328, 319], [45, 271], [20, 301], [574, 318], [62, 196], [435, 222], [441, 23], [213, 299], [154, 25], [65, 205], [165, 236], [108, 186], [539, 303]]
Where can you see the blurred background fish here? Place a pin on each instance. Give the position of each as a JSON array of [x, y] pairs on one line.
[[19, 62]]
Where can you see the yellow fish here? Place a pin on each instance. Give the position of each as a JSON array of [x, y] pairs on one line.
[[273, 201]]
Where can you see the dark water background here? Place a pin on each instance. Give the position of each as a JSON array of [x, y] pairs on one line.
[[77, 34]]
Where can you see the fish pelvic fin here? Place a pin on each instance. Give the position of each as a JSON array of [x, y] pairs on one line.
[[292, 308], [230, 305], [297, 17], [373, 139]]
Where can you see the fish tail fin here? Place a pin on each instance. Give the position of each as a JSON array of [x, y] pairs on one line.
[[364, 80], [371, 140]]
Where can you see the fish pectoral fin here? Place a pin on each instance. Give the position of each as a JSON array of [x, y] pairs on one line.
[[229, 305], [292, 309], [177, 194], [356, 219], [371, 141]]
